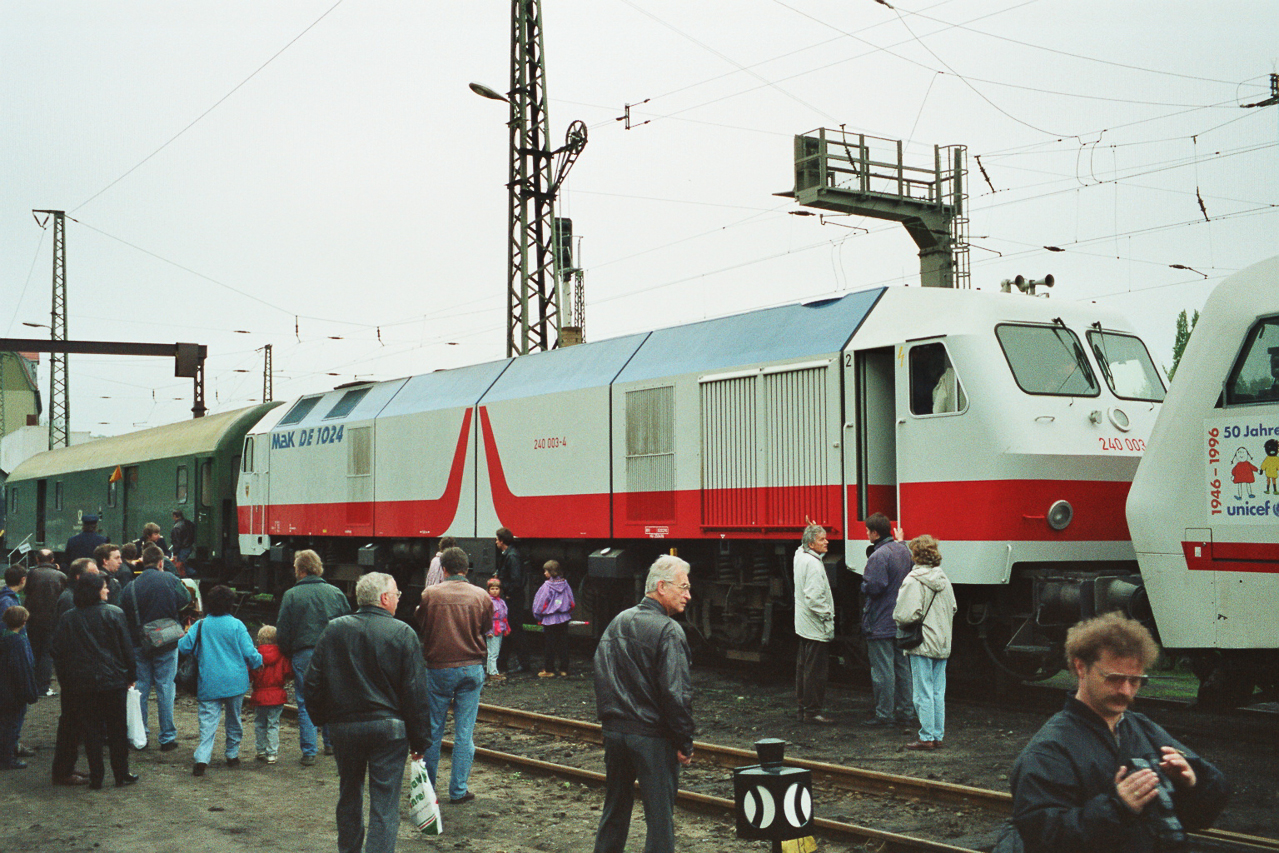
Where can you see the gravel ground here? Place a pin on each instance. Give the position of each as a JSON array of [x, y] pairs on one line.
[[288, 807]]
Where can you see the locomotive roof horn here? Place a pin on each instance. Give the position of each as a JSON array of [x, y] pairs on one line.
[[1025, 285]]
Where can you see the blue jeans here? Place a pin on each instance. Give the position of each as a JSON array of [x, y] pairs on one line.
[[460, 685], [494, 644], [266, 729], [890, 676], [306, 729], [929, 675], [210, 710], [158, 671], [379, 747]]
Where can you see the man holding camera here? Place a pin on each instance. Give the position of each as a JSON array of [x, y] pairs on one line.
[[1100, 777]]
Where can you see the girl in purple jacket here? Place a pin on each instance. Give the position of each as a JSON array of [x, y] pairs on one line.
[[552, 606]]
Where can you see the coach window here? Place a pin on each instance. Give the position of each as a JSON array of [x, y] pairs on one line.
[[206, 483], [1126, 366], [180, 493], [1255, 376], [111, 492], [934, 387], [57, 495], [1047, 360]]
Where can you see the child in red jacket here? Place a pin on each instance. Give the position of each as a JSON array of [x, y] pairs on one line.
[[269, 694]]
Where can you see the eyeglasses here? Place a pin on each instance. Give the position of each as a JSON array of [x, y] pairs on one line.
[[1114, 679], [684, 587]]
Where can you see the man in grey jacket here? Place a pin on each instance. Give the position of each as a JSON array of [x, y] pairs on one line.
[[368, 685], [305, 611], [814, 625], [644, 696]]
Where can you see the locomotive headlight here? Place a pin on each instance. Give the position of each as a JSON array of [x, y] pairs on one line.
[[1060, 514], [1119, 418]]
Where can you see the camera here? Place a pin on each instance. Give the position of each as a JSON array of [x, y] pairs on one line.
[[1160, 815]]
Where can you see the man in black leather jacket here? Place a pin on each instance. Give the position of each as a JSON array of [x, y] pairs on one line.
[[367, 683], [644, 695], [1076, 786]]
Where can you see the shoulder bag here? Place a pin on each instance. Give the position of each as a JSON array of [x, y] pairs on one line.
[[161, 635], [188, 675], [911, 635]]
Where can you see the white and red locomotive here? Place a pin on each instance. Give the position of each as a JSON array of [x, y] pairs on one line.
[[1009, 427], [1204, 508]]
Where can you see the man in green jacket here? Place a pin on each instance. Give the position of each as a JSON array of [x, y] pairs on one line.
[[308, 607]]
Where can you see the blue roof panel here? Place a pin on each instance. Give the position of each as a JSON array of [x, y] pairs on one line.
[[444, 389], [772, 334], [592, 365]]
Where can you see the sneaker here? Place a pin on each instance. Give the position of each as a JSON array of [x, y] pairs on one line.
[[270, 759], [308, 760], [261, 756], [199, 768], [50, 692], [546, 674], [169, 747]]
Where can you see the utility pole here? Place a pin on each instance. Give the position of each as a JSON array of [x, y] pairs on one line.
[[268, 389], [59, 382], [536, 173]]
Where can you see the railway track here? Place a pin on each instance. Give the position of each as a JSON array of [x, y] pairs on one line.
[[841, 777]]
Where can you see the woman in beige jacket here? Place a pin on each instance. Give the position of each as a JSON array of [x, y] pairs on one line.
[[926, 594]]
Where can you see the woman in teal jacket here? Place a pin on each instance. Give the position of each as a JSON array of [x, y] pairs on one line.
[[226, 654]]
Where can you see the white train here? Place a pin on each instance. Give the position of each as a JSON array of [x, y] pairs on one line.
[[1204, 508], [1009, 427]]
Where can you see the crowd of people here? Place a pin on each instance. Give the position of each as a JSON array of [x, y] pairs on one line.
[[375, 692]]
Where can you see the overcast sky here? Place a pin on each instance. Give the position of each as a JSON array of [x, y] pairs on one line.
[[315, 175]]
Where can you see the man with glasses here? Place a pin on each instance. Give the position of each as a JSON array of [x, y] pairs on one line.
[[644, 696], [1078, 784], [454, 616], [366, 683]]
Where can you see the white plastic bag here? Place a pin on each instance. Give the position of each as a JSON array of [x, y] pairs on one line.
[[137, 729], [424, 806]]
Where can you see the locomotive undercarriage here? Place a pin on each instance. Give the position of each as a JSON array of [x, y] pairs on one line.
[[743, 601]]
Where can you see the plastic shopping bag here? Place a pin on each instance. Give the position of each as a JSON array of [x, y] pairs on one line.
[[136, 727], [424, 806]]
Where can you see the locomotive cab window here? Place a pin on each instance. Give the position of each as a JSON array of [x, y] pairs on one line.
[[300, 410], [1126, 365], [246, 458], [935, 388], [1047, 360], [1255, 376]]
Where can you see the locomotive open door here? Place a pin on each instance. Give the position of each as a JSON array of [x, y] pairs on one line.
[[870, 444], [930, 396]]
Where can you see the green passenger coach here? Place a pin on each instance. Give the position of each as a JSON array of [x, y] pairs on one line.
[[133, 479]]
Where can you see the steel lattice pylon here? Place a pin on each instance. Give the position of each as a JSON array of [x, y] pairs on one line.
[[533, 293], [59, 381]]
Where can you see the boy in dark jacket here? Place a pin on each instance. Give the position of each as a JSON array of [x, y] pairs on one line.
[[269, 694], [18, 677]]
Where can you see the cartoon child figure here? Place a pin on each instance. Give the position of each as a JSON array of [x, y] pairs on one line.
[[1270, 466], [1241, 472]]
